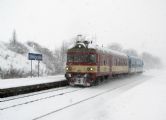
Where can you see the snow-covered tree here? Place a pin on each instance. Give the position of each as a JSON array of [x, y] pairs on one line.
[[131, 52], [115, 46]]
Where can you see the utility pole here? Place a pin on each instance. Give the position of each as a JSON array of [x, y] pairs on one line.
[[14, 37]]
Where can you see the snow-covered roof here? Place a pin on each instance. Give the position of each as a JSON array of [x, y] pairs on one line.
[[107, 50], [134, 57]]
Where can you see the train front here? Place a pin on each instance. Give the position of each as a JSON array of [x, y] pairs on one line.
[[81, 66]]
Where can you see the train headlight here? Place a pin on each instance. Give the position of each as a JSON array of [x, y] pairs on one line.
[[90, 69], [67, 68]]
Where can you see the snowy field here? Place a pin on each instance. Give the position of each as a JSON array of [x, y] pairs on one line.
[[140, 97]]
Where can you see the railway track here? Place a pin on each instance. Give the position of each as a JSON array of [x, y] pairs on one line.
[[62, 100], [71, 90], [87, 99], [31, 94]]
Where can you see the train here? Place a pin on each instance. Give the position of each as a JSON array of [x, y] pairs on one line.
[[88, 65]]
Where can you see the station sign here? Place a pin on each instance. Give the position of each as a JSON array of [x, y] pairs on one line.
[[34, 56]]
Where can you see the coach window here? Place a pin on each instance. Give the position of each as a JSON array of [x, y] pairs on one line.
[[116, 61], [112, 61], [104, 62], [101, 59]]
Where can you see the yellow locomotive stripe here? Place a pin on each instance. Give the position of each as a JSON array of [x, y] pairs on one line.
[[81, 68], [104, 68], [119, 69], [93, 69]]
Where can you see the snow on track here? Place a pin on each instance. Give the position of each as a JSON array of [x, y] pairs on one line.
[[36, 97], [31, 94], [140, 101], [62, 101], [131, 98]]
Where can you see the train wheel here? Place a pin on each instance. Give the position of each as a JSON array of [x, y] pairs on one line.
[[106, 77], [102, 78], [96, 82]]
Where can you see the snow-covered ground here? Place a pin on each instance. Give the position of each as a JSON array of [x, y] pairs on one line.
[[18, 82], [10, 59], [140, 97]]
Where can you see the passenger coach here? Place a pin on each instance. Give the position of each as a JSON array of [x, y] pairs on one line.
[[135, 65]]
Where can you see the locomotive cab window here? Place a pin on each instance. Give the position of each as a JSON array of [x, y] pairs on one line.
[[70, 58], [88, 58], [92, 58]]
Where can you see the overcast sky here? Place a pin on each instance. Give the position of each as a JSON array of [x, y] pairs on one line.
[[139, 24]]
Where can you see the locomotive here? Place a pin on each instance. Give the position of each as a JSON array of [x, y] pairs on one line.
[[88, 65]]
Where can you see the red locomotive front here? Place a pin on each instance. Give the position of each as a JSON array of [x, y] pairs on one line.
[[81, 66]]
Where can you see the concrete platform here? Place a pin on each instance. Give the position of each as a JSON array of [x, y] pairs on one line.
[[11, 87]]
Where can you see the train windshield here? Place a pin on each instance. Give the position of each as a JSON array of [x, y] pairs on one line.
[[90, 58]]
